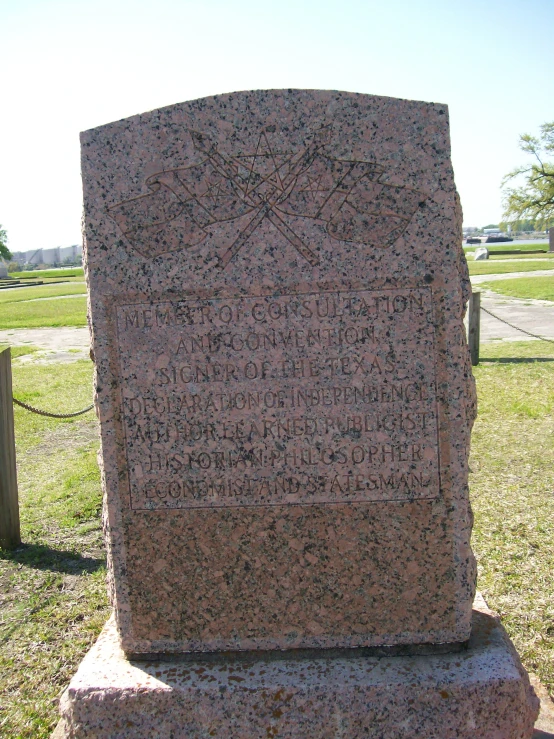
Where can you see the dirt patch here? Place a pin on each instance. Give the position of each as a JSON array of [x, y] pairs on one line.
[[67, 436], [46, 356]]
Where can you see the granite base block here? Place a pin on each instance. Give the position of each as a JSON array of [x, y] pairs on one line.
[[481, 693]]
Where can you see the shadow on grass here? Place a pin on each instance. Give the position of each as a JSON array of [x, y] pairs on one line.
[[516, 360], [41, 557]]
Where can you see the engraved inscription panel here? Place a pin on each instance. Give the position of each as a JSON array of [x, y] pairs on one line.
[[322, 397]]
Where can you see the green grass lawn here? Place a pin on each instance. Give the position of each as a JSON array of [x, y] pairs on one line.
[[44, 313], [61, 388], [499, 268], [536, 288], [512, 485], [39, 292], [41, 274], [44, 305], [52, 590]]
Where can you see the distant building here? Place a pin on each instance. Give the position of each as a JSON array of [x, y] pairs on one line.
[[58, 255]]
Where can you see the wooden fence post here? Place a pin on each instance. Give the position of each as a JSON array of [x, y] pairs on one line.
[[10, 534], [474, 327]]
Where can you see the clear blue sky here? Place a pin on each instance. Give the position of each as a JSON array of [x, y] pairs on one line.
[[69, 65]]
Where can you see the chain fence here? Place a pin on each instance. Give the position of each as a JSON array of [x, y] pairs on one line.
[[51, 415], [517, 328]]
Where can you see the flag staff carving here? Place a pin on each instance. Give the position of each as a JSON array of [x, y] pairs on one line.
[[347, 197]]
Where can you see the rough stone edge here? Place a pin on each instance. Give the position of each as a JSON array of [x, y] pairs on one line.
[[544, 725], [534, 690]]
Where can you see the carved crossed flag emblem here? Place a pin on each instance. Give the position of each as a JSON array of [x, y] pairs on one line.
[[347, 197]]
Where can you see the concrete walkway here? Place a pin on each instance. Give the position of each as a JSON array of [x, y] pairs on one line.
[[535, 316]]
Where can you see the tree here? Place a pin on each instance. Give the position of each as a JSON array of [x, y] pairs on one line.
[[518, 226], [535, 199], [5, 253]]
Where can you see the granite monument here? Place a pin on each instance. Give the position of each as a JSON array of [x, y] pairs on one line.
[[277, 291]]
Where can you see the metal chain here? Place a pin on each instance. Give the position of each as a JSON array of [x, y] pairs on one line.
[[51, 415], [523, 331]]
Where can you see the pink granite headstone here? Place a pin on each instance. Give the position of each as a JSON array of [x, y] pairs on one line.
[[277, 288]]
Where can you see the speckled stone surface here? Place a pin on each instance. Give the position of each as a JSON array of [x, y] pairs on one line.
[[482, 693], [277, 289]]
